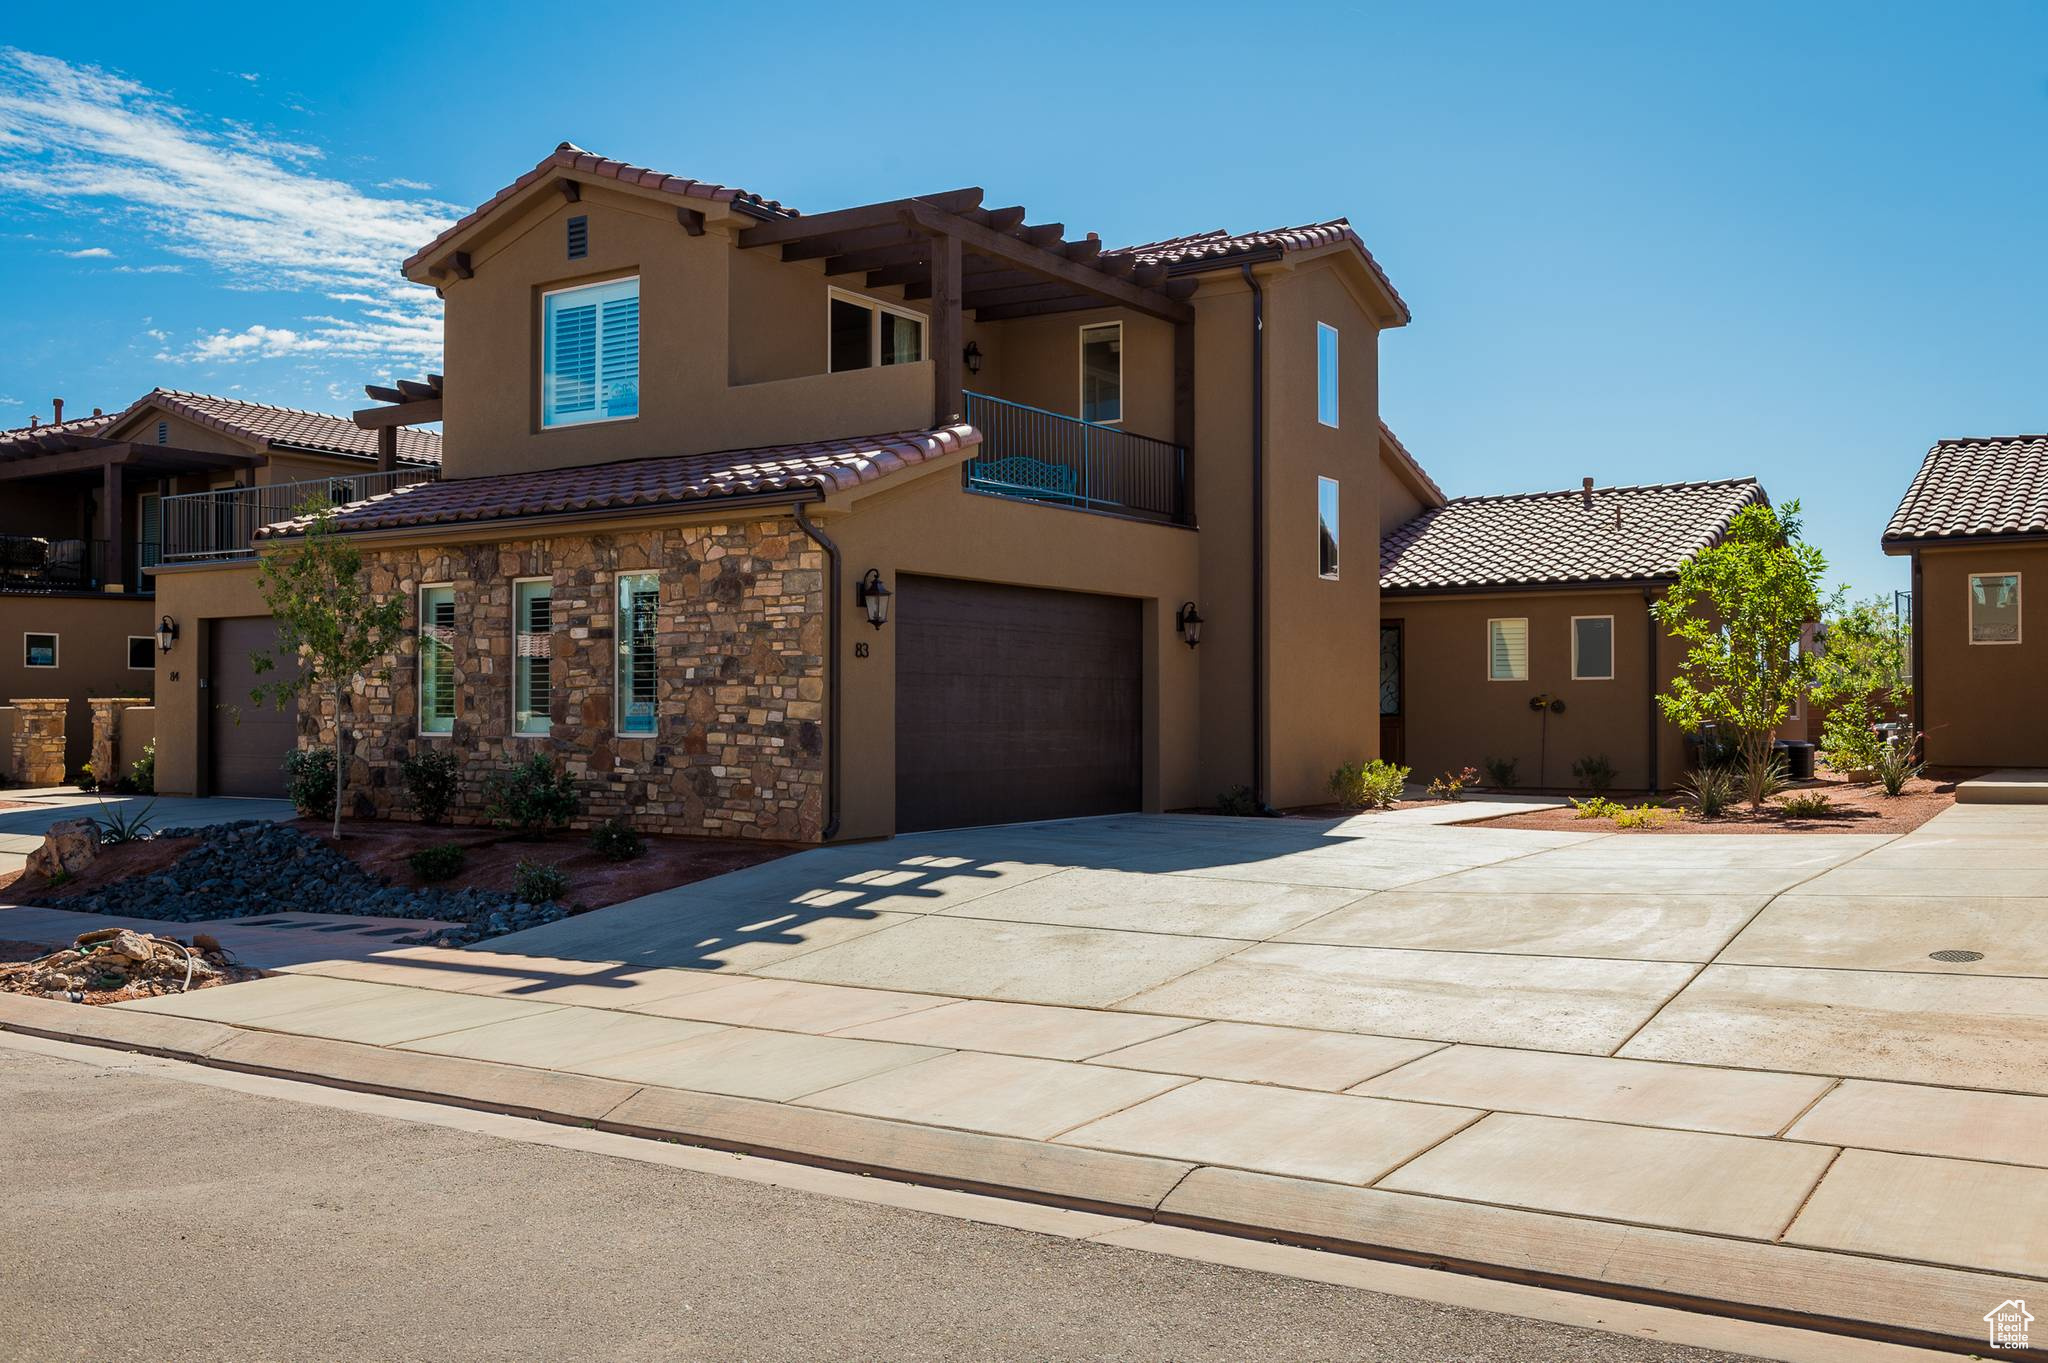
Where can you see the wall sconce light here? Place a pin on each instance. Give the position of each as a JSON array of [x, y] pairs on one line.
[[971, 357], [1188, 621], [166, 633], [872, 593]]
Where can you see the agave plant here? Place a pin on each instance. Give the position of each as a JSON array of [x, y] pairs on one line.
[[117, 825]]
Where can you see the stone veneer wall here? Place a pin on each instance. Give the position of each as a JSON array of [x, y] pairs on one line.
[[739, 747], [107, 766], [37, 758]]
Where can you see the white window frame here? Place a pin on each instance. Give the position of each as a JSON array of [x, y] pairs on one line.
[[56, 649], [149, 639], [1577, 675], [619, 696], [1336, 376], [1521, 620], [1081, 371], [876, 307], [547, 339], [2019, 591], [1336, 528], [419, 718], [547, 721]]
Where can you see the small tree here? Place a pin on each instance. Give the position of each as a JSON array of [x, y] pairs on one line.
[[1861, 676], [328, 620], [1739, 607]]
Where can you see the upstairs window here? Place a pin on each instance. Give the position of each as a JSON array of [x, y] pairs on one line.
[[590, 353], [1326, 527], [1592, 648], [639, 605], [1326, 374], [1102, 372], [866, 333], [1507, 650], [437, 660], [1994, 608], [533, 633]]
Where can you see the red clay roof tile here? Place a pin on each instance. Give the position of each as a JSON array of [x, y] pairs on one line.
[[1218, 249], [1974, 488], [286, 427]]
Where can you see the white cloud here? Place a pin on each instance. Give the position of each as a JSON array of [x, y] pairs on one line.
[[399, 182], [90, 253], [149, 269], [221, 194]]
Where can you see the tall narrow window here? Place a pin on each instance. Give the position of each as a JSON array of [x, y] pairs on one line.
[[1102, 372], [437, 660], [1592, 648], [1507, 650], [1326, 527], [639, 600], [863, 333], [590, 353], [1326, 374], [533, 632], [1994, 608]]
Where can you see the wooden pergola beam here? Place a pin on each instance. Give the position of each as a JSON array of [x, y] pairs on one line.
[[844, 243], [860, 262], [398, 414], [910, 272], [996, 245], [789, 230], [1036, 291], [1068, 302]]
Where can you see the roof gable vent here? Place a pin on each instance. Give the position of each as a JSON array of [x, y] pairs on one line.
[[163, 432], [579, 237]]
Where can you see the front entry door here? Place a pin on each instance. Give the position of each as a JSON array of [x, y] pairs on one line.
[[1393, 694]]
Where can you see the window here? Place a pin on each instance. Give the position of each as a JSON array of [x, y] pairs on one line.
[[1326, 374], [1592, 648], [590, 353], [865, 333], [1326, 526], [437, 660], [141, 653], [39, 650], [639, 598], [1102, 372], [1507, 650], [1994, 608], [533, 635]]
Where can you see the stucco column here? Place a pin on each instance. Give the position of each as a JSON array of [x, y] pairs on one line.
[[106, 729], [38, 756]]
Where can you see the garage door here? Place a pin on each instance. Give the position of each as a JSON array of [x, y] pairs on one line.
[[246, 741], [1013, 704]]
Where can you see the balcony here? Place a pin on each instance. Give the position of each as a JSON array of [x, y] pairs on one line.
[[35, 565], [221, 525], [1039, 456]]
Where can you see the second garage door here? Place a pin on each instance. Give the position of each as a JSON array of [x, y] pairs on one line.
[[1014, 704], [246, 740]]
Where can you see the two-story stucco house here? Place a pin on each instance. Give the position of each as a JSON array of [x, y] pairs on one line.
[[912, 514]]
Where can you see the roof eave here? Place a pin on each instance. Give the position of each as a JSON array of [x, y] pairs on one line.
[[1906, 544]]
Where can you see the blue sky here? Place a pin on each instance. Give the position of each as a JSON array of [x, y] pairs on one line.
[[1643, 243]]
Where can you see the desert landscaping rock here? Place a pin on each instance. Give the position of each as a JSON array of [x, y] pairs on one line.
[[68, 848]]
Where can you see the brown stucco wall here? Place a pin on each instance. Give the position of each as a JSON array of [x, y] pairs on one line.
[[1399, 502], [194, 597], [1984, 702], [92, 655], [1457, 717]]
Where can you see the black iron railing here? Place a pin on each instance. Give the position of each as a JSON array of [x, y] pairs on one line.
[[1041, 456], [38, 563], [202, 525]]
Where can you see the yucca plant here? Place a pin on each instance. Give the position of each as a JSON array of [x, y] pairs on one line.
[[117, 825], [1896, 764], [1710, 790], [1762, 775]]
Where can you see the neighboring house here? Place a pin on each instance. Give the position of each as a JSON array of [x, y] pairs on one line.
[[1518, 627], [1975, 523], [1103, 492], [92, 504]]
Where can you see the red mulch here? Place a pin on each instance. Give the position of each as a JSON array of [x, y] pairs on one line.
[[1857, 808]]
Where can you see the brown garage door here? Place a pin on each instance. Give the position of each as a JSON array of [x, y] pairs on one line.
[[246, 740], [1013, 704]]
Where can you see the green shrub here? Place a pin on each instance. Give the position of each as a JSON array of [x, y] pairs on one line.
[[1643, 816], [534, 796], [1849, 740], [1238, 803], [429, 776], [1452, 785], [615, 840], [1762, 776], [142, 771], [1710, 790], [1807, 804], [1596, 807], [1595, 773], [309, 781], [1368, 785], [442, 861], [86, 779], [123, 825], [1896, 764], [536, 882], [1501, 771]]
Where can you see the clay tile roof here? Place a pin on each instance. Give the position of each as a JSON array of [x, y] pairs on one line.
[[1219, 249], [286, 427], [1978, 487], [78, 425], [1551, 538], [569, 156], [824, 466]]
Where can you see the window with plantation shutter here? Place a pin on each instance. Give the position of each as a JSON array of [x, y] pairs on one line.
[[533, 607], [590, 353], [1507, 650], [437, 660], [639, 602]]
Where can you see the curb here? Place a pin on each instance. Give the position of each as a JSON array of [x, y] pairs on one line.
[[1837, 1294]]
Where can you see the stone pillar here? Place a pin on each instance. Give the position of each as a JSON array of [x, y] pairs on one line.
[[106, 731], [38, 757]]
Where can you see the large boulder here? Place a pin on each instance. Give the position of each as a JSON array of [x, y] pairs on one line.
[[67, 849]]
